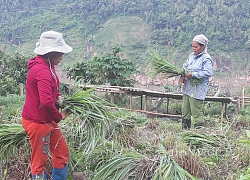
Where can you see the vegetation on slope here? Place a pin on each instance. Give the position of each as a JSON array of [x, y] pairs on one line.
[[173, 24]]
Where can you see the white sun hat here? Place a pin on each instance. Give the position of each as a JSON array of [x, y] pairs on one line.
[[51, 41]]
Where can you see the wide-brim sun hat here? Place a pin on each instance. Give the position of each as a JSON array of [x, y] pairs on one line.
[[51, 41]]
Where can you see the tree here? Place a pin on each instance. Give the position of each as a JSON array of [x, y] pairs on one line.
[[109, 68], [13, 71]]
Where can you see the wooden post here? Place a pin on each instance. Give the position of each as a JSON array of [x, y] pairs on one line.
[[225, 113], [167, 104], [238, 103], [112, 97], [145, 103], [21, 89], [130, 101], [141, 101], [222, 111], [70, 86], [243, 94]]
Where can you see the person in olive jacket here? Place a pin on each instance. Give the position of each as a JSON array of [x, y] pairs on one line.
[[198, 68]]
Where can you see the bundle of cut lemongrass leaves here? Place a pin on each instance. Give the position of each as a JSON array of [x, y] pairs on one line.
[[83, 101], [86, 103], [12, 136], [132, 164], [168, 69], [91, 116], [164, 67]]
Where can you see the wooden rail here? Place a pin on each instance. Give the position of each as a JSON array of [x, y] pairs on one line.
[[145, 93]]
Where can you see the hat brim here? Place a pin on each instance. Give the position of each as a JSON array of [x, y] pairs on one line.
[[41, 50]]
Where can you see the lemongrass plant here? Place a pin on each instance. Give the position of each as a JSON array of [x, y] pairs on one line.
[[85, 103], [133, 165], [90, 120], [12, 136], [197, 139]]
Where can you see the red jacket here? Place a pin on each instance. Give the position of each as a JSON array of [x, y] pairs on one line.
[[42, 86]]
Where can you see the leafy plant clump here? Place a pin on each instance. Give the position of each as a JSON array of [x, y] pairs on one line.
[[13, 71], [12, 136], [198, 140], [109, 68], [80, 103], [92, 116], [136, 166]]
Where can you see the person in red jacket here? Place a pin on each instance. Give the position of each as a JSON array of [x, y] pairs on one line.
[[40, 115]]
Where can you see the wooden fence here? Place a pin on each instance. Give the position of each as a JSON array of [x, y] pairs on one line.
[[243, 100], [144, 95]]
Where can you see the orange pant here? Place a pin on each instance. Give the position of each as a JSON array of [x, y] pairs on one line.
[[44, 138]]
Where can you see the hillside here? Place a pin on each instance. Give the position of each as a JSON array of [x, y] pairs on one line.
[[131, 33], [94, 25]]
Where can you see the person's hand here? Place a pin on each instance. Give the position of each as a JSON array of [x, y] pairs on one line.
[[181, 80], [64, 114], [60, 101], [189, 75]]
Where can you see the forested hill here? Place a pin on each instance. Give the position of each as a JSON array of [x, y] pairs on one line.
[[172, 24]]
